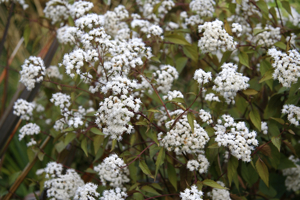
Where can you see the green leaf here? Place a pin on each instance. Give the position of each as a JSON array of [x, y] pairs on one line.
[[244, 59], [60, 146], [239, 2], [180, 63], [113, 145], [285, 163], [141, 123], [281, 45], [145, 168], [214, 145], [191, 52], [233, 163], [41, 156], [255, 118], [26, 34], [213, 184], [191, 119], [290, 146], [178, 100], [250, 92], [30, 154], [149, 189], [96, 131], [138, 196], [263, 171], [225, 57], [248, 173], [97, 142], [263, 7], [159, 160], [172, 175], [279, 120], [273, 13], [90, 170], [177, 39], [257, 31], [69, 138], [153, 58], [287, 7], [84, 146], [153, 110], [277, 142], [68, 129], [91, 114]]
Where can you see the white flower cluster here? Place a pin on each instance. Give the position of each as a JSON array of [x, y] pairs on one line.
[[33, 71], [293, 113], [29, 129], [119, 85], [181, 138], [228, 82], [292, 181], [215, 38], [201, 164], [164, 78], [155, 31], [76, 59], [114, 194], [53, 72], [21, 2], [205, 116], [287, 66], [264, 127], [87, 192], [114, 115], [202, 77], [219, 194], [61, 100], [237, 28], [112, 20], [267, 38], [173, 95], [23, 109], [60, 10], [68, 34], [90, 21], [236, 137], [113, 170], [204, 8], [191, 194], [211, 97]]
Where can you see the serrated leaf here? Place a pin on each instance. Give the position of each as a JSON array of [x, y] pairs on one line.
[[286, 5], [180, 63], [244, 59], [233, 163], [257, 31], [191, 119], [213, 184], [281, 45], [172, 175], [159, 160], [149, 189], [84, 146], [263, 171], [97, 142], [96, 131], [145, 168], [277, 142], [255, 118], [250, 92], [177, 39]]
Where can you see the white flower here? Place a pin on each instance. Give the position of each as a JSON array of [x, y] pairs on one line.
[[292, 181], [191, 194], [293, 113], [205, 116], [53, 72], [211, 97], [33, 71], [61, 100], [200, 165], [268, 37], [79, 8], [87, 192], [287, 66], [113, 170], [220, 194], [23, 109], [202, 77], [57, 10], [29, 129], [114, 194], [204, 8], [264, 127]]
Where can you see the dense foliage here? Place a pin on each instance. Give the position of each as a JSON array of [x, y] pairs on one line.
[[161, 100]]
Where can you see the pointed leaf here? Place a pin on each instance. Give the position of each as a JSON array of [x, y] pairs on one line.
[[287, 7], [172, 175], [255, 119], [149, 189], [244, 59], [145, 168], [84, 146], [159, 160], [233, 163], [263, 171], [96, 131], [213, 184], [191, 119], [277, 142], [180, 63], [177, 39]]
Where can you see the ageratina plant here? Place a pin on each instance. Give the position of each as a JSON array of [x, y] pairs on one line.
[[168, 100]]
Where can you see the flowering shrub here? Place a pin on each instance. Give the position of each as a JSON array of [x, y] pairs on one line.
[[167, 100]]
